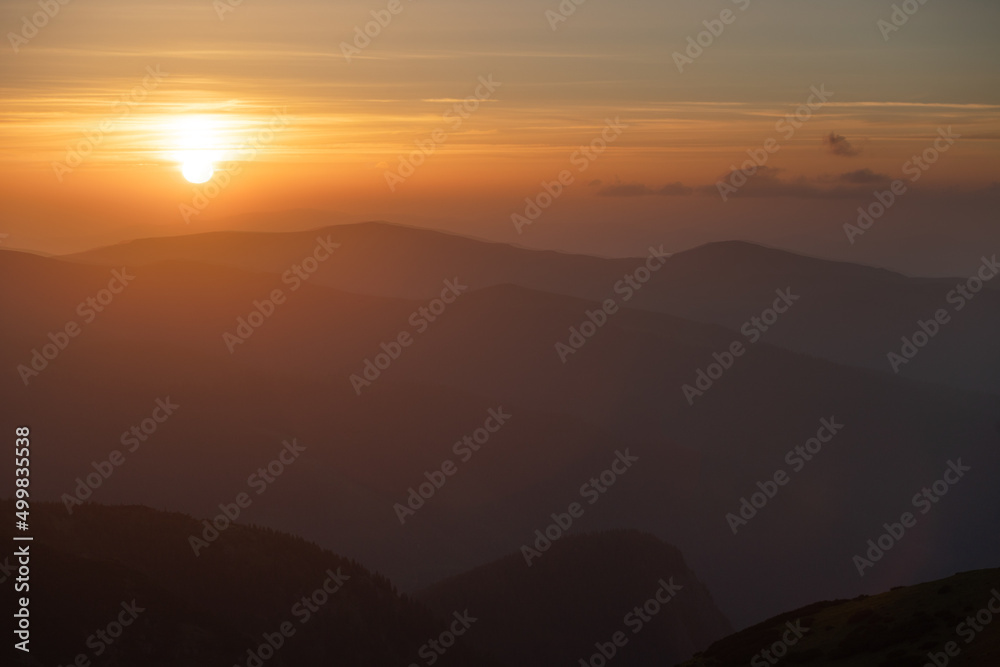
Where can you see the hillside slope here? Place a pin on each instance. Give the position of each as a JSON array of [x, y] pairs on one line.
[[135, 564], [930, 623]]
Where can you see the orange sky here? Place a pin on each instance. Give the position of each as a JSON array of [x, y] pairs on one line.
[[108, 99]]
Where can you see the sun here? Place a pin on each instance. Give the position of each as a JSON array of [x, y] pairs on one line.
[[198, 146], [197, 168]]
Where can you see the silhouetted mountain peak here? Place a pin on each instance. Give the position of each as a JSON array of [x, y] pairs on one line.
[[580, 591]]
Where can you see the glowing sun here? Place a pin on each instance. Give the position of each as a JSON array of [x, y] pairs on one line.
[[197, 147], [197, 168]]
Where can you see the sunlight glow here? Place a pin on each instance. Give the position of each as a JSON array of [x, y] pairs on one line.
[[198, 146], [198, 168]]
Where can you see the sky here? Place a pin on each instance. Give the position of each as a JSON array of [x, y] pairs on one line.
[[110, 103]]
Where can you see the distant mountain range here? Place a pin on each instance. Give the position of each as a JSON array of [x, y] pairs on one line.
[[847, 313], [379, 418]]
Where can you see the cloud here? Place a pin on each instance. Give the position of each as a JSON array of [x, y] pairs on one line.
[[863, 177], [767, 182], [837, 144], [851, 185], [677, 189]]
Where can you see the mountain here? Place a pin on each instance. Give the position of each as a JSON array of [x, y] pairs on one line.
[[370, 446], [934, 623], [846, 313], [264, 593], [576, 597]]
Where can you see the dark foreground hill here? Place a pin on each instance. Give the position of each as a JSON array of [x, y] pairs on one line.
[[954, 621], [122, 587], [621, 594]]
